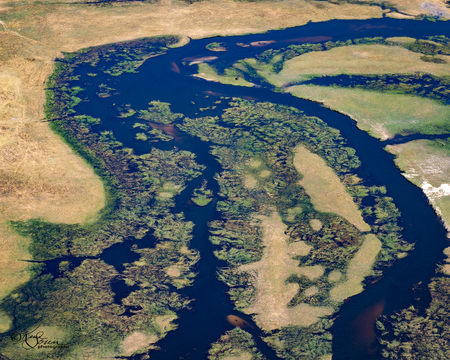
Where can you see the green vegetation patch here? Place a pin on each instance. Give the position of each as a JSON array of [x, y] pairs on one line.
[[414, 333], [216, 46], [150, 134], [230, 76], [202, 196], [159, 112], [116, 59], [235, 344]]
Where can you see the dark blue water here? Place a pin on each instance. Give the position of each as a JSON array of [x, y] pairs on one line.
[[206, 322]]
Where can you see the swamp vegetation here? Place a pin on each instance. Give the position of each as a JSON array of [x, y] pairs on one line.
[[411, 333], [254, 142], [261, 138], [69, 278]]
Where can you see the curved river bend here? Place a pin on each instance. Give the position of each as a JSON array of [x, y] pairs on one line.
[[353, 328]]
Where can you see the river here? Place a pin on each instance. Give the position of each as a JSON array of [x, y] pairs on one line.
[[403, 284]]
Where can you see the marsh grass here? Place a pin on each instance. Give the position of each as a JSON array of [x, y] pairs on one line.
[[383, 115], [235, 344]]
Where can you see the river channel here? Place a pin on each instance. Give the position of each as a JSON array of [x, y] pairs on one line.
[[403, 284]]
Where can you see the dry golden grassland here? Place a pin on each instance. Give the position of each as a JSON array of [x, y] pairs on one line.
[[322, 184], [40, 177], [273, 294], [427, 166], [245, 356], [382, 115], [357, 59]]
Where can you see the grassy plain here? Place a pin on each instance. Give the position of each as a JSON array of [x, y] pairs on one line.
[[383, 115], [273, 294], [426, 163], [357, 59], [40, 177], [322, 184]]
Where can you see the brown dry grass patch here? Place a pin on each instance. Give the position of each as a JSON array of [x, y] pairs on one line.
[[244, 356], [298, 248], [250, 182], [137, 341], [272, 293], [315, 224], [327, 192], [173, 271]]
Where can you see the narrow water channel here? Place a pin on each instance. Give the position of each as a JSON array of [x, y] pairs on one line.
[[197, 329]]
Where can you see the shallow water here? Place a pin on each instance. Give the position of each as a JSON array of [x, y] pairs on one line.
[[166, 78]]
